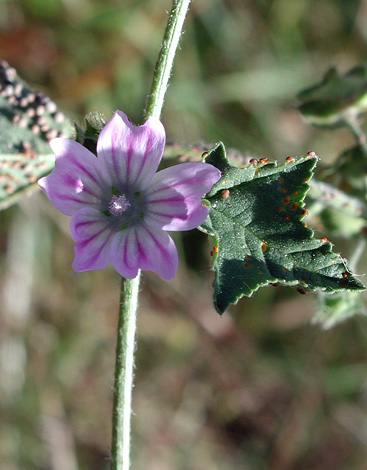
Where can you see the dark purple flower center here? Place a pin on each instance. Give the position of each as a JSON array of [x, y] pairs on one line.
[[118, 205]]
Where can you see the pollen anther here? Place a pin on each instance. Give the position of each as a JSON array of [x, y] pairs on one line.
[[118, 204]]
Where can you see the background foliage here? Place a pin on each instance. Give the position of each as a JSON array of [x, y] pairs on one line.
[[259, 388]]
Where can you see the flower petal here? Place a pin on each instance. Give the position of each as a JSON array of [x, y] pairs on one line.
[[174, 197], [131, 154], [78, 179], [143, 247], [92, 232]]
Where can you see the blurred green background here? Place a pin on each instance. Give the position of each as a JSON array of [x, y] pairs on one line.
[[259, 388]]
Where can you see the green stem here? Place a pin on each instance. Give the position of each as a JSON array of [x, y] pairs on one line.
[[124, 373], [125, 346], [167, 53]]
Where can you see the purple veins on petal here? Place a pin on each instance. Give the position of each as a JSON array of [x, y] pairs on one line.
[[131, 154], [144, 247], [174, 196], [78, 180], [92, 233]]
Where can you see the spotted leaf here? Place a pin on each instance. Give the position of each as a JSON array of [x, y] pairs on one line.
[[28, 120], [256, 224]]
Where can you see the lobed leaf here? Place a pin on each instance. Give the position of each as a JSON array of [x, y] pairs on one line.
[[258, 234]]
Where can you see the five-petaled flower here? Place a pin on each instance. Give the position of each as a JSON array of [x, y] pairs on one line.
[[120, 207]]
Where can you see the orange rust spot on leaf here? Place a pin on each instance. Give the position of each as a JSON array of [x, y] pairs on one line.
[[285, 200], [285, 190], [311, 154], [281, 180], [289, 159], [264, 160], [287, 217], [294, 206], [323, 239], [225, 193], [254, 161], [301, 291], [264, 246], [247, 265], [295, 193], [215, 249], [304, 212], [345, 275]]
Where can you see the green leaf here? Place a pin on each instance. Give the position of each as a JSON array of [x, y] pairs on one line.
[[340, 213], [351, 167], [28, 120], [334, 309], [255, 218], [337, 96], [330, 197], [341, 224]]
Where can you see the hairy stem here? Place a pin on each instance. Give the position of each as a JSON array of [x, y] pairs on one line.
[[124, 373], [124, 369], [164, 63]]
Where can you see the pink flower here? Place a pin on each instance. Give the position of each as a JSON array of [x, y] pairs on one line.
[[120, 207]]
